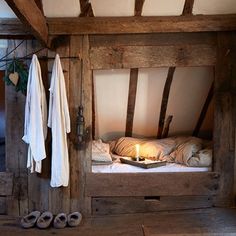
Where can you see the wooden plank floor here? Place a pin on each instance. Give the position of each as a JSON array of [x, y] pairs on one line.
[[205, 222]]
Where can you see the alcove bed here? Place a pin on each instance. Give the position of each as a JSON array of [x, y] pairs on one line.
[[166, 190]]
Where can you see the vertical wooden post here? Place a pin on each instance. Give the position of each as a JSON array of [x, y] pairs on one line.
[[224, 123], [131, 101], [86, 162]]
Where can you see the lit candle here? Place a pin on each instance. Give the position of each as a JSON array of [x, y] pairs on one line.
[[137, 146]]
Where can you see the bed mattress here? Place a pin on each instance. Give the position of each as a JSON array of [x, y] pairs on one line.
[[118, 167]]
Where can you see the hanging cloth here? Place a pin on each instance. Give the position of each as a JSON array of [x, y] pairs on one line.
[[35, 127], [59, 122]]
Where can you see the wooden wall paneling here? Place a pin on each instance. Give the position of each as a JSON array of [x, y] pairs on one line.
[[76, 157], [6, 183], [154, 39], [130, 205], [87, 102], [59, 198], [156, 184], [224, 117], [3, 206], [145, 24], [164, 102], [204, 110], [16, 152], [131, 101], [38, 193], [12, 28], [152, 56]]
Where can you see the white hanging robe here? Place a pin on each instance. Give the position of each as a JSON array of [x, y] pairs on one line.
[[35, 127], [59, 122]]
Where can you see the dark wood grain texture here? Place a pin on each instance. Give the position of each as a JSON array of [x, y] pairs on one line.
[[129, 205], [152, 56], [131, 101], [156, 184], [155, 24], [164, 101], [188, 7], [204, 110], [224, 117], [138, 7]]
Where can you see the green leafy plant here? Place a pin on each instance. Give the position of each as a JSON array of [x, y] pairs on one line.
[[22, 70]]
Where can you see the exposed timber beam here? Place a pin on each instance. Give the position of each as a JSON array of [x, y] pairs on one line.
[[147, 24], [86, 8], [188, 7], [138, 7], [164, 102], [204, 111], [131, 101], [30, 15]]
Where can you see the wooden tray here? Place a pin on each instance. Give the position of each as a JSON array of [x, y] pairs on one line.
[[146, 164]]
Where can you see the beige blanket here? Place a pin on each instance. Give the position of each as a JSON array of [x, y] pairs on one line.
[[189, 151]]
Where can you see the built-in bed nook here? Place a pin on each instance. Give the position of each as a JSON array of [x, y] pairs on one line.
[[183, 144], [122, 188]]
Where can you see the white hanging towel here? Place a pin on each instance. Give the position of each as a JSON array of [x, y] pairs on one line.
[[59, 122], [35, 128]]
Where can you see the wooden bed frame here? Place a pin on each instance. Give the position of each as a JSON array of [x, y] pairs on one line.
[[94, 193]]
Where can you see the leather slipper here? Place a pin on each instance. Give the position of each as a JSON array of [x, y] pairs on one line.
[[60, 221], [45, 220], [74, 219], [30, 220]]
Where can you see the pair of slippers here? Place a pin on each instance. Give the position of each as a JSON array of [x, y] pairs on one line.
[[44, 220]]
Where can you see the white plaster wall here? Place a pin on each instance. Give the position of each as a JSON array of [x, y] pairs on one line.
[[111, 92], [61, 8], [189, 89], [163, 7], [113, 7], [188, 93], [148, 101], [209, 7]]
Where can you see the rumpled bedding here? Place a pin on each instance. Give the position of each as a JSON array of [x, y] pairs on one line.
[[100, 153], [190, 151]]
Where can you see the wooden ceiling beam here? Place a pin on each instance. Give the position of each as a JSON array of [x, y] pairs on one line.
[[155, 24], [138, 7], [30, 15]]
